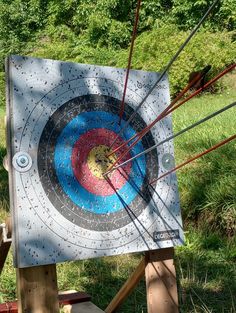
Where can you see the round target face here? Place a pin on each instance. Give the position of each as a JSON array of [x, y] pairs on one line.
[[76, 141]]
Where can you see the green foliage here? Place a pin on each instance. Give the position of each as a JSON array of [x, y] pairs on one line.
[[103, 22], [98, 28], [73, 50], [152, 52], [108, 23], [186, 13], [205, 266], [60, 12], [82, 14], [119, 34], [19, 20], [117, 9], [154, 49]]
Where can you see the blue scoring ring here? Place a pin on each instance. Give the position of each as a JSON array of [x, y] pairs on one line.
[[86, 200]]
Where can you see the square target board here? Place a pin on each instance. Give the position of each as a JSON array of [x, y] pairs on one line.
[[62, 120]]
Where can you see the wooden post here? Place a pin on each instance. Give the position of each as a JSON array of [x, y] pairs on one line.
[[37, 289], [4, 246], [162, 295]]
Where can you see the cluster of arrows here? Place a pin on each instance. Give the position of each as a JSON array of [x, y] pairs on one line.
[[178, 101]]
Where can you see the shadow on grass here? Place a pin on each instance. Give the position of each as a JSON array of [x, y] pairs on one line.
[[206, 281], [205, 278], [4, 192], [102, 279]]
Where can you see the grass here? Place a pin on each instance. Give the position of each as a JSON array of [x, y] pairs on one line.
[[206, 267], [207, 186], [206, 263]]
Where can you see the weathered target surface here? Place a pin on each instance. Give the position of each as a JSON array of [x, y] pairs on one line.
[[62, 119]]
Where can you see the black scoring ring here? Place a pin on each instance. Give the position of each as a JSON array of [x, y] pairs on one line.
[[55, 193]]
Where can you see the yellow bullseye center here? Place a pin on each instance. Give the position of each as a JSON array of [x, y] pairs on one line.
[[98, 162]]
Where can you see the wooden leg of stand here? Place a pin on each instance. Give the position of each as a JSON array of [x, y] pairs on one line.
[[37, 289], [4, 246], [162, 296], [127, 288]]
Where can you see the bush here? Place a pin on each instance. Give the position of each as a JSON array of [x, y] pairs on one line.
[[119, 34], [98, 28], [186, 13], [19, 20], [154, 49], [104, 22]]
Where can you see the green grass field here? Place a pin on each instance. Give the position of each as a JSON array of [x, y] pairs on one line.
[[206, 264]]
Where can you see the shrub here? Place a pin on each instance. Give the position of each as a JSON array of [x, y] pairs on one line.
[[105, 22], [186, 13], [98, 28], [154, 49], [119, 34], [19, 20]]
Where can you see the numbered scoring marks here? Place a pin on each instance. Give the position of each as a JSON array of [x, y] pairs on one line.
[[72, 157]]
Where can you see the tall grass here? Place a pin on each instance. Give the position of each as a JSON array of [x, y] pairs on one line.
[[207, 186]]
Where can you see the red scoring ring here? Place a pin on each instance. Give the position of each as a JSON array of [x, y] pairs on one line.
[[81, 149]]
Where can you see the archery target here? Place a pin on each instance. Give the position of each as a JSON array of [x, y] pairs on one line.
[[63, 118]]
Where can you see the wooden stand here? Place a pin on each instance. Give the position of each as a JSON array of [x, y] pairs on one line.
[[158, 267], [36, 286], [162, 295], [38, 292], [37, 289], [4, 246]]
